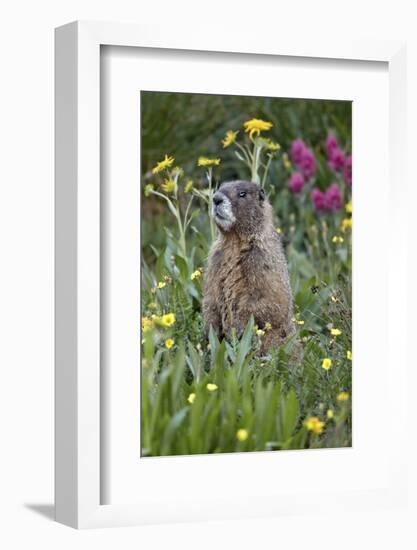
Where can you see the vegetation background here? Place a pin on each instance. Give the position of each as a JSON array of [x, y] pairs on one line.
[[203, 396]]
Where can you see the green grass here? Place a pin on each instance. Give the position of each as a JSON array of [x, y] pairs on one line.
[[256, 403]]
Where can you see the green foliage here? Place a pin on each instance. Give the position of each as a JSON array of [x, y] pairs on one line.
[[253, 402]]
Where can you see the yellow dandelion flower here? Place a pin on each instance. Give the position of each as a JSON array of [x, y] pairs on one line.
[[330, 414], [163, 165], [229, 138], [169, 185], [167, 320], [314, 425], [204, 161], [346, 224], [349, 355], [337, 239], [242, 434], [300, 322], [335, 332], [196, 274], [326, 363], [211, 387], [191, 398], [147, 324], [348, 207], [255, 126], [188, 185], [268, 326], [161, 284], [169, 343], [260, 332], [343, 396]]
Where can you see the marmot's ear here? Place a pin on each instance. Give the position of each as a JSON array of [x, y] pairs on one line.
[[261, 194]]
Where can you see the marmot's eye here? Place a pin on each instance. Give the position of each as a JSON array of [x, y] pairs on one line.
[[242, 194]]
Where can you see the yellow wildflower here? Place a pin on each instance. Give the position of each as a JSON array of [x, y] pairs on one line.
[[256, 126], [349, 355], [314, 424], [272, 146], [167, 320], [343, 396], [148, 189], [268, 326], [196, 274], [242, 434], [286, 162], [333, 298], [191, 398], [211, 387], [169, 343], [229, 138], [161, 284], [147, 324], [337, 239], [166, 163], [348, 207], [330, 414], [278, 230], [169, 185], [327, 363], [300, 322], [260, 332], [335, 332], [188, 185], [346, 224], [204, 161]]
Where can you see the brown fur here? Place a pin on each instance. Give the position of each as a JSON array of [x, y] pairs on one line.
[[247, 271]]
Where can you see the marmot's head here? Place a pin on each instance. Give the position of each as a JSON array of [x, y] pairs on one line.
[[240, 207]]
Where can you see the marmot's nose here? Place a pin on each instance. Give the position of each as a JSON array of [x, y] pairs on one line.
[[217, 198]]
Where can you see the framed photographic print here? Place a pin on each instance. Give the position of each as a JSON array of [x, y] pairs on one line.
[[222, 346]]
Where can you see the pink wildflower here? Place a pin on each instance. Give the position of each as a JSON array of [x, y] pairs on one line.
[[296, 182]]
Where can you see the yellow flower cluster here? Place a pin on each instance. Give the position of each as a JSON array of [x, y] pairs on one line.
[[204, 161], [348, 207], [211, 387], [196, 274], [255, 126], [337, 239], [314, 425], [163, 164], [349, 355]]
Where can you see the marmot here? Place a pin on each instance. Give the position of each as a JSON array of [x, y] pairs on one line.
[[247, 271]]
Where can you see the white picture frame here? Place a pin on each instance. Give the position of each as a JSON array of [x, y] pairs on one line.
[[77, 500]]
